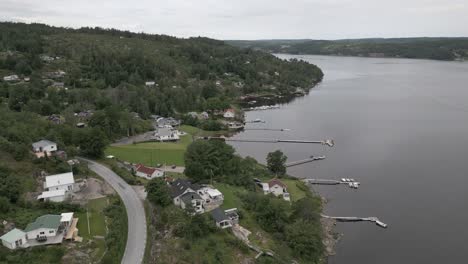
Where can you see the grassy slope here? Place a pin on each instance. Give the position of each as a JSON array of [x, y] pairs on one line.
[[151, 153], [97, 224]]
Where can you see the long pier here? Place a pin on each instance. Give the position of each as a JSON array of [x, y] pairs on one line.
[[349, 182], [299, 162], [356, 219], [269, 129], [327, 142]]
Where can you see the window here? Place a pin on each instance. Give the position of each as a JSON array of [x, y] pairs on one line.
[[41, 233], [51, 231]]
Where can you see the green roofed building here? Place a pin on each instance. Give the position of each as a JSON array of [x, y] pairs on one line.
[[44, 226], [14, 239]]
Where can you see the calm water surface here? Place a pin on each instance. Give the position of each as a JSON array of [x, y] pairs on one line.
[[401, 129]]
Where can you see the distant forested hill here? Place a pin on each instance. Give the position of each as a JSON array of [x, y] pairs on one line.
[[421, 48], [117, 64]]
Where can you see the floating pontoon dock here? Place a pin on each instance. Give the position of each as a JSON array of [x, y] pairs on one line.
[[356, 219]]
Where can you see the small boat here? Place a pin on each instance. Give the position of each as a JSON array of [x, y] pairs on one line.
[[351, 180], [351, 184], [343, 179]]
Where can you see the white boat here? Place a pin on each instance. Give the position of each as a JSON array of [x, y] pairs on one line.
[[355, 185], [351, 184], [343, 179], [351, 180]]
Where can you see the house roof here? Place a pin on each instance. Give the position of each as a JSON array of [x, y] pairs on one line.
[[45, 221], [13, 235], [219, 215], [213, 192], [189, 196], [66, 217], [43, 143], [179, 186], [146, 170], [50, 194], [164, 132], [274, 182], [59, 179], [229, 110]]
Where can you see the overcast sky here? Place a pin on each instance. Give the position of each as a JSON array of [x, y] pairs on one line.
[[252, 19]]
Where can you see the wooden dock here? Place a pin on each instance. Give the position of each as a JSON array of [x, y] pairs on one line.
[[327, 142], [356, 219], [299, 162]]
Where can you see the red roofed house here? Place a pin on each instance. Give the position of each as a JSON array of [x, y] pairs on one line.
[[230, 113], [147, 172], [277, 187]]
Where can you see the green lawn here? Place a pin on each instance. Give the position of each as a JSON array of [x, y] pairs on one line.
[[151, 153], [293, 189], [97, 224]]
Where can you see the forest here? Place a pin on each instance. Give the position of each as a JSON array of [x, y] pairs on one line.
[[417, 48]]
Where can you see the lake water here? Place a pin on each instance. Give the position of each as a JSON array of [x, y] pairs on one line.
[[401, 129]]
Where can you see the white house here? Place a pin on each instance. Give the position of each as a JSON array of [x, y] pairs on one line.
[[212, 198], [14, 239], [183, 193], [230, 113], [277, 187], [193, 200], [166, 134], [147, 172], [43, 147], [64, 181], [204, 115], [221, 219], [11, 78], [44, 227], [53, 196]]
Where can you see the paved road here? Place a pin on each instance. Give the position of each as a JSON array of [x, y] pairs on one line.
[[136, 240]]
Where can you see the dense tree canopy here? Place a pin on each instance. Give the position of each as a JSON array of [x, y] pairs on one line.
[[276, 162], [158, 192]]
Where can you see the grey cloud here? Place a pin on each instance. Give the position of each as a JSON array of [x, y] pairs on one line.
[[253, 19]]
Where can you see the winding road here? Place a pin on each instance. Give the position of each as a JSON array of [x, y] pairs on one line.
[[136, 239]]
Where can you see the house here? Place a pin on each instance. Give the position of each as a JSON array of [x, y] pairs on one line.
[[221, 219], [56, 119], [162, 122], [58, 85], [147, 172], [11, 78], [212, 198], [150, 83], [45, 230], [14, 239], [192, 200], [44, 147], [44, 227], [46, 58], [277, 187], [233, 215], [166, 134], [204, 115], [230, 113], [183, 193], [83, 115], [63, 181], [192, 114], [53, 196]]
